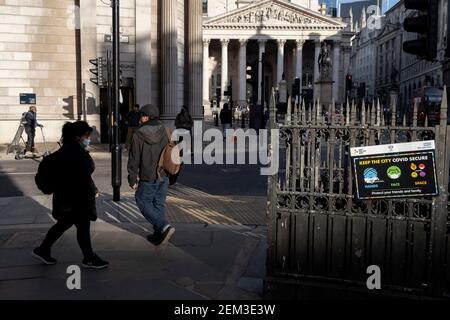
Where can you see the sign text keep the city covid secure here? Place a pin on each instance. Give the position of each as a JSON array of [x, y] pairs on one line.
[[395, 171]]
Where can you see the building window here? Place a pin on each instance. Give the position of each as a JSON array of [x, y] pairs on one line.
[[205, 7]]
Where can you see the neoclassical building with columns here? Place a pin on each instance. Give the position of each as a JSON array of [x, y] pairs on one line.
[[290, 33]]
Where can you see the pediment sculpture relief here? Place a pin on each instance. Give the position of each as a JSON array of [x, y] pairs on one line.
[[270, 13]]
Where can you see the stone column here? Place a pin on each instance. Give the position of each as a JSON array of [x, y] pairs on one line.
[[143, 52], [206, 101], [299, 61], [243, 72], [316, 69], [194, 44], [224, 78], [336, 70], [169, 59], [280, 60], [262, 49]]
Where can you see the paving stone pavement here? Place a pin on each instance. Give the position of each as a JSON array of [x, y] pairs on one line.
[[186, 204], [218, 251]]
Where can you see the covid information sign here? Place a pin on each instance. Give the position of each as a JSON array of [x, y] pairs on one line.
[[395, 171]]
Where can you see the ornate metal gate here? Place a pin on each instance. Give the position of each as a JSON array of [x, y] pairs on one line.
[[320, 233]]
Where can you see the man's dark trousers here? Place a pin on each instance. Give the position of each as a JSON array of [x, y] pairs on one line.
[[31, 133]]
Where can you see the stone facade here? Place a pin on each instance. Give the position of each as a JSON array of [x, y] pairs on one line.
[[38, 54], [45, 48], [363, 60]]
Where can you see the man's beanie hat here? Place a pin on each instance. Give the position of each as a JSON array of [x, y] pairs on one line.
[[150, 110]]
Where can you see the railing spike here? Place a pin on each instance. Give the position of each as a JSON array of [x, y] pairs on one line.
[[373, 113], [288, 119], [332, 112], [353, 113], [378, 113], [303, 111], [444, 108], [363, 113], [347, 113], [318, 110], [416, 110], [394, 111]]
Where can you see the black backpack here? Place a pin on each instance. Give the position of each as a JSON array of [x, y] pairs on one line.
[[46, 176], [23, 119]]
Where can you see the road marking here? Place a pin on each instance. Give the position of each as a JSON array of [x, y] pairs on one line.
[[5, 174], [112, 217]]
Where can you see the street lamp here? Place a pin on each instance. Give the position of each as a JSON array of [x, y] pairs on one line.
[[116, 156]]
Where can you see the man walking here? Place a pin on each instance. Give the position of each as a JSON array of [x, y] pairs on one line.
[[30, 129], [146, 147]]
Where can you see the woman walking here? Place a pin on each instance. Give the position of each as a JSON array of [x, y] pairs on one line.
[[74, 196]]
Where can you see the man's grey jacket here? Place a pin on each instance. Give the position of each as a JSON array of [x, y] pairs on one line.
[[146, 148]]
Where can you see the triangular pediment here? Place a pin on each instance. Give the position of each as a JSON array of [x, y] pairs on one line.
[[387, 28], [274, 13]]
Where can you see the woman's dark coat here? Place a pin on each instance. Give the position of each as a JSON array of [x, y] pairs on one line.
[[75, 190]]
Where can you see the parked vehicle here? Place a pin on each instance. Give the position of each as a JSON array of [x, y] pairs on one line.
[[428, 100]]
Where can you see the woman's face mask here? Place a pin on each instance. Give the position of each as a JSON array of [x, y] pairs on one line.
[[85, 142]]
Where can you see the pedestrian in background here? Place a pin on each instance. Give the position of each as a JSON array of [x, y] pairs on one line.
[[184, 121], [132, 119], [226, 118], [143, 161], [30, 125]]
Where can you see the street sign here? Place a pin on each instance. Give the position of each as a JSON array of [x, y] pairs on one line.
[[27, 98], [123, 39], [395, 171]]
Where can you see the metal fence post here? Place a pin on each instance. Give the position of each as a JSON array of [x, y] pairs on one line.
[[439, 211], [272, 196]]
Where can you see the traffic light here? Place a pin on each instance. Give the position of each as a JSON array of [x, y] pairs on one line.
[[348, 83], [251, 73], [97, 71], [425, 25]]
